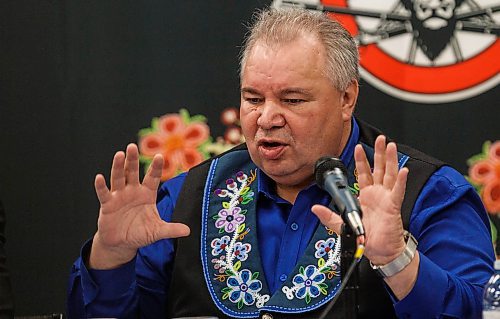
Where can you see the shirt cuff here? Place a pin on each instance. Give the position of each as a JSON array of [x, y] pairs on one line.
[[108, 284], [421, 300]]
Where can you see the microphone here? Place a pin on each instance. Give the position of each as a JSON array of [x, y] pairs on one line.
[[330, 175]]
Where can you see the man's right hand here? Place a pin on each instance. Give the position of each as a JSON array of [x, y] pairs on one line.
[[128, 218]]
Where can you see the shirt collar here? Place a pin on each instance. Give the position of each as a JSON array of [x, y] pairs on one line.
[[265, 183]]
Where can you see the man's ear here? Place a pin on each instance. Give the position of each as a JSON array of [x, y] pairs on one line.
[[349, 98]]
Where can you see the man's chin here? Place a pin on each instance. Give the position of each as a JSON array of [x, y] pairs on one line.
[[288, 176]]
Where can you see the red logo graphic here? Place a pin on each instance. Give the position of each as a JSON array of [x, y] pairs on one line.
[[427, 51]]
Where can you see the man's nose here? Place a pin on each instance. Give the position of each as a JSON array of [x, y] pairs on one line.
[[271, 116]]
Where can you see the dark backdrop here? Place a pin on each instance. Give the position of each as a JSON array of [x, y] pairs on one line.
[[78, 79]]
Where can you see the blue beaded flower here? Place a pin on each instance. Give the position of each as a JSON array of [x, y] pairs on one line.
[[323, 247], [241, 250], [243, 288], [308, 283], [219, 245]]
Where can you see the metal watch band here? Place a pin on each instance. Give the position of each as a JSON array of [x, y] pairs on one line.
[[401, 261]]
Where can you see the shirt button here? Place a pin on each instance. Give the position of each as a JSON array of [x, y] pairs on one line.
[[283, 277], [267, 316], [294, 226]]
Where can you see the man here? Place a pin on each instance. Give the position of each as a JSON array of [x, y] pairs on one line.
[[257, 245]]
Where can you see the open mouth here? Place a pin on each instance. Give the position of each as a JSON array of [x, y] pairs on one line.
[[271, 149], [271, 144]]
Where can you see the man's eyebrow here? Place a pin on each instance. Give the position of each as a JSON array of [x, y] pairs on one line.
[[249, 90], [295, 91]]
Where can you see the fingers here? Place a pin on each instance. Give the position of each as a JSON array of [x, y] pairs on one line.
[[132, 165], [173, 230], [117, 171], [153, 175], [125, 168], [362, 167], [102, 191], [379, 160], [328, 218], [385, 167], [399, 189], [391, 165]]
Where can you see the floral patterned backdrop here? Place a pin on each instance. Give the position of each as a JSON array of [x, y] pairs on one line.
[[484, 174], [185, 140]]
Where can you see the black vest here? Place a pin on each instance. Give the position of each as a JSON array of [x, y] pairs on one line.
[[188, 295]]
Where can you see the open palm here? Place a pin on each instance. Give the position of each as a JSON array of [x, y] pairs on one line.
[[128, 217], [381, 196]]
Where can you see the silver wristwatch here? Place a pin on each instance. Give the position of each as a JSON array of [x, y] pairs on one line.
[[401, 261]]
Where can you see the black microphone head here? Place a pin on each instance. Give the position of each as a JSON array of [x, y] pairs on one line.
[[326, 164]]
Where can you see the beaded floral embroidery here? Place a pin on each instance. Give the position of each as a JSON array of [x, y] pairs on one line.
[[310, 282], [230, 250]]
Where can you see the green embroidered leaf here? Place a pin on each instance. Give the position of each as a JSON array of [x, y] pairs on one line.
[[198, 118], [240, 304], [246, 200], [243, 211], [323, 285], [225, 205], [323, 291], [221, 230], [241, 228], [255, 275], [301, 270], [486, 147], [326, 269], [155, 123], [229, 272], [227, 290], [184, 116], [145, 131], [224, 296], [215, 216], [245, 190], [308, 298], [321, 262], [237, 265], [476, 158]]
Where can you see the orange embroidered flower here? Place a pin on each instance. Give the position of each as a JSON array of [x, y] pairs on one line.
[[179, 138], [484, 173]]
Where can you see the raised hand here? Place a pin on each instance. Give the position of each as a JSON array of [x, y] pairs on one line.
[[381, 196], [128, 217]]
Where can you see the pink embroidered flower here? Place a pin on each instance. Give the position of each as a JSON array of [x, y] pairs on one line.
[[178, 137], [229, 219], [484, 173], [218, 262]]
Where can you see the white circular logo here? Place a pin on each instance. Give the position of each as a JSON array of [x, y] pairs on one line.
[[427, 51]]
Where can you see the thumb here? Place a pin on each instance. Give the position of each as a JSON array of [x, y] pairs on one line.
[[172, 230], [328, 218]]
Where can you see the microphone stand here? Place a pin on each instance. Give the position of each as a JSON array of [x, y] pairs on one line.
[[351, 255], [350, 294]]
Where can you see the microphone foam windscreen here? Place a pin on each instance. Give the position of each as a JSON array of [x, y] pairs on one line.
[[325, 164]]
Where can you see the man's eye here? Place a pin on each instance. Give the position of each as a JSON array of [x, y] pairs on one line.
[[293, 101], [253, 100]]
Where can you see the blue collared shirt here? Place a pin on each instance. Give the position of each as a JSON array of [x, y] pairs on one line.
[[448, 220]]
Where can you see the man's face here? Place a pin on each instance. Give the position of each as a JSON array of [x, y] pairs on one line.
[[291, 114]]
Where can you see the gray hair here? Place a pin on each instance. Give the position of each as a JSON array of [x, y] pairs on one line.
[[280, 26]]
